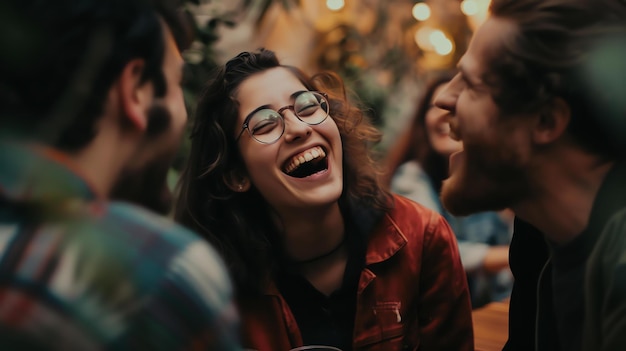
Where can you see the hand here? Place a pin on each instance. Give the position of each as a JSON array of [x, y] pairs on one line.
[[496, 259]]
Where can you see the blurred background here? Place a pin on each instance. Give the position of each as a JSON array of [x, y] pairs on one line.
[[386, 50]]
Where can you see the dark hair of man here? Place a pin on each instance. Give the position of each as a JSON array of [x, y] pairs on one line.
[[549, 56], [54, 83], [414, 144], [240, 224]]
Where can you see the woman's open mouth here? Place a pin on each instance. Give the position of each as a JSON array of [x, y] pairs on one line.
[[306, 163]]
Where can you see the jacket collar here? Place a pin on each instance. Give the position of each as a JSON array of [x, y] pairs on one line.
[[384, 242], [384, 237], [610, 197]]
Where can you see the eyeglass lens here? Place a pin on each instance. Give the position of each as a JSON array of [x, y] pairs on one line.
[[268, 125]]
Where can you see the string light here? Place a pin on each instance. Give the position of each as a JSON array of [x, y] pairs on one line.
[[421, 11], [436, 37], [335, 5], [430, 39], [422, 38], [476, 11], [445, 47], [469, 7], [441, 43]]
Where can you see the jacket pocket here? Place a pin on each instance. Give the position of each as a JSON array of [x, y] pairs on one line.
[[386, 332]]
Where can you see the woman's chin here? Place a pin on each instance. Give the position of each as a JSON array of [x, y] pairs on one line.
[[449, 151]]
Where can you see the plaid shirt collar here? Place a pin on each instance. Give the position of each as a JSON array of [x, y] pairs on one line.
[[33, 173]]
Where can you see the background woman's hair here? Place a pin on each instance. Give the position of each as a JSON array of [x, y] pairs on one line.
[[414, 145], [240, 224]]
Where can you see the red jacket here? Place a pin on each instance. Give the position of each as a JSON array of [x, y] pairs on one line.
[[412, 293]]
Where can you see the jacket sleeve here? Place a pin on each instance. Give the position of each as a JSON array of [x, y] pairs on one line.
[[445, 311], [192, 308]]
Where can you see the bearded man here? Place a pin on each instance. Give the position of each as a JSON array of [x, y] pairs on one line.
[[539, 104]]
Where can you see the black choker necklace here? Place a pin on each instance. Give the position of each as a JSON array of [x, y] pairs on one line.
[[324, 255]]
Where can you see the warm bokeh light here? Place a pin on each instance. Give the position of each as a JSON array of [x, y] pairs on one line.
[[469, 7], [444, 47], [476, 11], [421, 11], [436, 37], [430, 39], [422, 38], [335, 5]]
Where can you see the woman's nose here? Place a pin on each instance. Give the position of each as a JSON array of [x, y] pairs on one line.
[[294, 128]]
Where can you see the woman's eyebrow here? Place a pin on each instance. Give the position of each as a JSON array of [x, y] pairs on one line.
[[292, 96], [295, 95], [255, 111]]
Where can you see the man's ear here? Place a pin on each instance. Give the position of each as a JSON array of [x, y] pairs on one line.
[[552, 122], [237, 181], [135, 95]]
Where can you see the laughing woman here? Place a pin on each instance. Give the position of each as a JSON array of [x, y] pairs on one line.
[[280, 178]]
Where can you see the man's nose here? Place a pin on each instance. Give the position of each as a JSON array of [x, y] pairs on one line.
[[446, 100]]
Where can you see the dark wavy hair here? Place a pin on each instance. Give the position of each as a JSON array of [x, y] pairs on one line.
[[239, 224], [414, 145], [552, 53]]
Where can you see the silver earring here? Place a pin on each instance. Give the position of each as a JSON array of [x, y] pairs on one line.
[[240, 187]]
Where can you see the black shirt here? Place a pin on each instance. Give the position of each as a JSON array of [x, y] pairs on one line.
[[568, 275], [325, 320], [528, 255]]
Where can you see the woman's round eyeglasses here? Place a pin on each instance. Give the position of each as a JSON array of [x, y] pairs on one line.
[[267, 126]]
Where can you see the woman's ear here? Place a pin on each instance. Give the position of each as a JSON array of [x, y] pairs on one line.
[[552, 122], [237, 181]]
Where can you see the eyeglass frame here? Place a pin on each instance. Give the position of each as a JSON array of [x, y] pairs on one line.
[[245, 125]]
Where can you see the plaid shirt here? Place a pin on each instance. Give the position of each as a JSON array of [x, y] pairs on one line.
[[79, 273]]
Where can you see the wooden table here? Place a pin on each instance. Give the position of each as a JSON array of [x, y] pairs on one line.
[[491, 326]]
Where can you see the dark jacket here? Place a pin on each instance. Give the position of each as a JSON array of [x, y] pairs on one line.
[[532, 323]]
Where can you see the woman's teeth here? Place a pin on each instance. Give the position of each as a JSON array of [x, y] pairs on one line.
[[304, 157]]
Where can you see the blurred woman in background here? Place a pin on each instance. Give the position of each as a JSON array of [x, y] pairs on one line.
[[417, 164]]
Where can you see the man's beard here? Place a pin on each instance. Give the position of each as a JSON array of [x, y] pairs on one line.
[[147, 186], [492, 182]]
